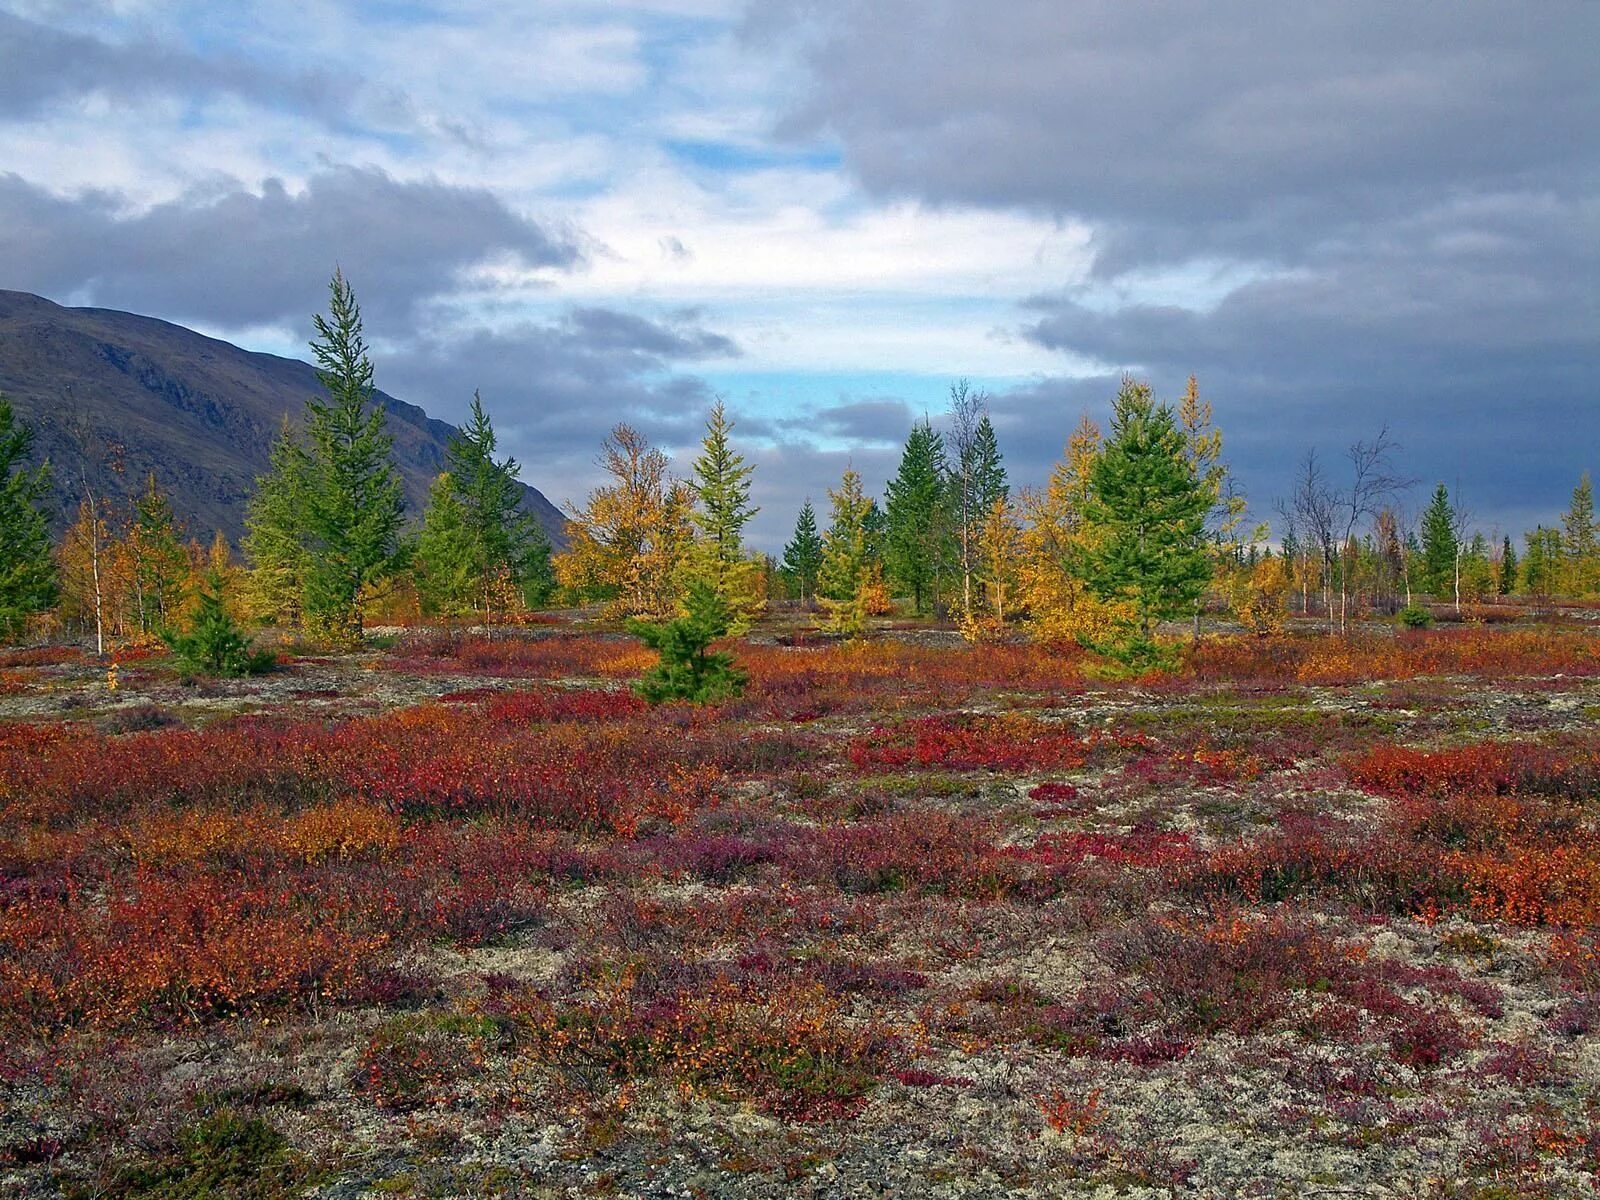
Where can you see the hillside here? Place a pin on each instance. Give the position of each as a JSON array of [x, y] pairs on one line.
[[199, 412]]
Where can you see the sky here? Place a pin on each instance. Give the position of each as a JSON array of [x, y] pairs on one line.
[[1341, 218]]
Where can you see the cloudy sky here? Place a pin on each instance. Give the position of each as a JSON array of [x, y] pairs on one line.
[[1337, 216]]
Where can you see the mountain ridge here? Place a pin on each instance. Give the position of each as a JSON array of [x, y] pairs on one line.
[[113, 396]]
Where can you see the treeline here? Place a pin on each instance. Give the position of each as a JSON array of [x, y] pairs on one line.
[[1131, 530], [326, 547], [1137, 525]]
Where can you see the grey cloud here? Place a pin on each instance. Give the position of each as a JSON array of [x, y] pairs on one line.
[[1413, 191], [1186, 129], [237, 258], [555, 389], [871, 421], [606, 329], [41, 63]]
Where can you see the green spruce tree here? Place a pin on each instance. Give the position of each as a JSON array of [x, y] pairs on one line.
[[1439, 545], [1508, 567], [353, 499], [214, 644], [1147, 511], [509, 544], [27, 570], [802, 557], [689, 669], [914, 516]]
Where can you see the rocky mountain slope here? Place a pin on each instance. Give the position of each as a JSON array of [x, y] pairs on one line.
[[116, 396]]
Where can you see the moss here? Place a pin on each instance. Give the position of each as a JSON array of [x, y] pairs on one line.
[[226, 1155]]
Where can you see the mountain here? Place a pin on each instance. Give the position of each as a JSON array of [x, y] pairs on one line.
[[118, 396]]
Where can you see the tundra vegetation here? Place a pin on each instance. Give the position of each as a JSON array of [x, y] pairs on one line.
[[989, 878]]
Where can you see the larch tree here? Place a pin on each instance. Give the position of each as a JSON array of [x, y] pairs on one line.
[[1579, 543], [626, 544], [846, 545], [721, 487], [850, 577], [915, 517], [353, 499], [510, 549], [274, 541], [1000, 561], [1056, 540], [1203, 448], [27, 569], [802, 557], [449, 562], [1150, 510], [160, 564]]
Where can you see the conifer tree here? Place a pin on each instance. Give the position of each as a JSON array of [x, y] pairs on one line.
[[689, 669], [915, 516], [1508, 567], [1579, 540], [846, 546], [274, 540], [160, 565], [1477, 575], [721, 487], [449, 559], [1149, 509], [27, 570], [989, 482], [508, 543], [1439, 544], [1055, 544], [353, 499], [802, 557], [213, 643]]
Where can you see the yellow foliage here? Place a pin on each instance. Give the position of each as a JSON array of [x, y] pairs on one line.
[[1261, 597], [1052, 546], [628, 542]]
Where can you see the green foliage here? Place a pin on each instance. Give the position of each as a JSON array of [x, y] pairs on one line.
[[721, 488], [214, 644], [802, 557], [160, 566], [988, 472], [226, 1155], [27, 570], [688, 669], [353, 502], [847, 545], [1439, 545], [274, 540], [1579, 540], [1148, 511], [508, 541], [448, 562], [1508, 567], [1414, 616], [916, 516]]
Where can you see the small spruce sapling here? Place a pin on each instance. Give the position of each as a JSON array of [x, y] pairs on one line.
[[215, 645], [688, 670]]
